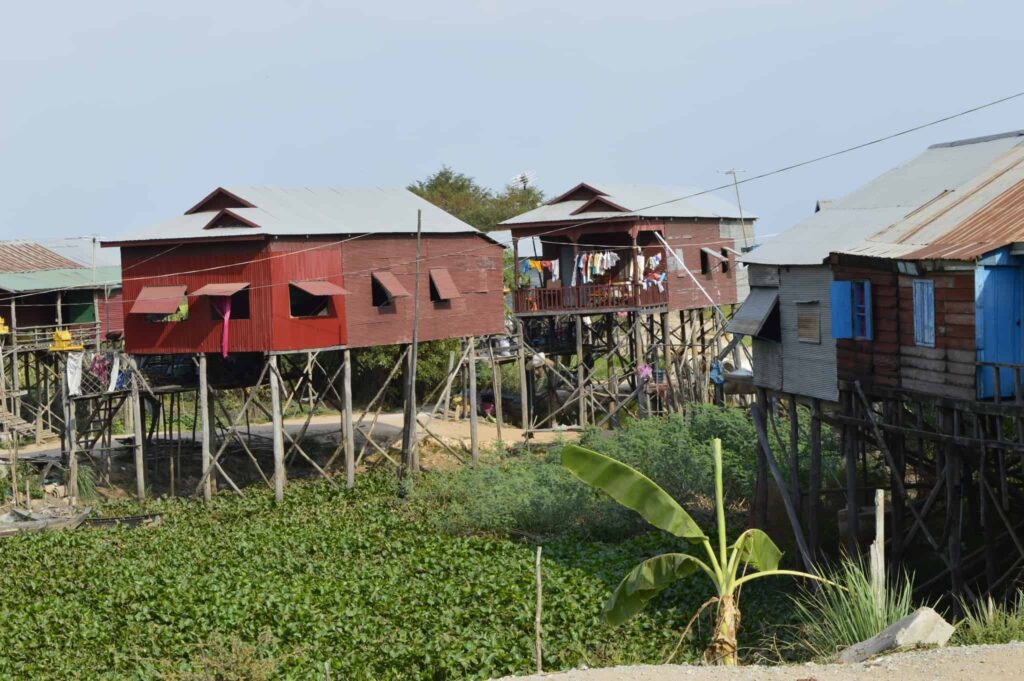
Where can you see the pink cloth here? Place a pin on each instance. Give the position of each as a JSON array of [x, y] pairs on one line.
[[222, 304]]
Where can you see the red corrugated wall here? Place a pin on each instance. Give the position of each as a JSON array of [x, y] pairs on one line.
[[474, 263], [111, 313]]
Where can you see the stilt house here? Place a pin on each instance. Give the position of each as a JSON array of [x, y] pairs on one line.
[[914, 282], [271, 269]]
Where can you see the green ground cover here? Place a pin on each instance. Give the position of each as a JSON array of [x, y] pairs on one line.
[[371, 586]]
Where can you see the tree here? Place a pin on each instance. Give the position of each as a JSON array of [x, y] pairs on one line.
[[461, 196], [753, 550]]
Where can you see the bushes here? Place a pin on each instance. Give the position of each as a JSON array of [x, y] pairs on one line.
[[990, 622], [531, 494], [833, 618]]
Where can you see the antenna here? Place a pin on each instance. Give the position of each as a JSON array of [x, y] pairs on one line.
[[739, 204], [524, 179]]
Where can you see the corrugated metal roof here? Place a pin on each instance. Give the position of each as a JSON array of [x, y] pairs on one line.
[[26, 256], [635, 199], [301, 211], [86, 251], [870, 220], [46, 280]]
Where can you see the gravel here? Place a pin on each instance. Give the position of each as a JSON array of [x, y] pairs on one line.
[[973, 663]]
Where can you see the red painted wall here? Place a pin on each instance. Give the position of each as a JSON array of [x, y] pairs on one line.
[[691, 236], [473, 262]]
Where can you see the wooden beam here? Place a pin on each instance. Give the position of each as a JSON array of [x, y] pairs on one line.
[[346, 425], [137, 446], [278, 426], [205, 426], [473, 434]]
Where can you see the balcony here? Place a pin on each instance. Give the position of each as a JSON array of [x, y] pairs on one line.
[[587, 298]]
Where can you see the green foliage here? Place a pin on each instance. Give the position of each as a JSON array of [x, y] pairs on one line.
[[834, 617], [989, 622], [372, 366], [533, 494], [753, 552], [461, 196], [354, 579]]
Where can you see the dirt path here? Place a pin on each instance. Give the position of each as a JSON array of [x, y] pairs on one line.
[[970, 663]]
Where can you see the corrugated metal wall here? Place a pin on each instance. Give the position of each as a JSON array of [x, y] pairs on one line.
[[474, 263], [809, 368], [111, 312]]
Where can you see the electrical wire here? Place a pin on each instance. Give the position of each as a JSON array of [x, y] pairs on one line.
[[562, 228]]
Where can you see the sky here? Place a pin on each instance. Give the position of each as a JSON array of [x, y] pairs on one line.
[[115, 115]]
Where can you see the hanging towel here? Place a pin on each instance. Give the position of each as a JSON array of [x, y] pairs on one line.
[[115, 370], [222, 304], [74, 373]]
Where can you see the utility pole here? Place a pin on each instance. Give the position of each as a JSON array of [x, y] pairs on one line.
[[734, 172]]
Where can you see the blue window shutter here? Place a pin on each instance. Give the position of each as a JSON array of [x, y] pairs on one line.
[[924, 312], [842, 309], [868, 330]]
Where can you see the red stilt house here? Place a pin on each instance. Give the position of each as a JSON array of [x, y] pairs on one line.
[[270, 269]]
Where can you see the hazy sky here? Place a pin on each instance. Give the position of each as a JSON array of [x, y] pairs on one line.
[[115, 115]]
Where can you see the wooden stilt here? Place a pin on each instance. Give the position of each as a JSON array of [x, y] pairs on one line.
[[473, 434], [495, 387], [814, 481], [794, 451], [409, 415], [581, 372], [136, 411], [524, 395], [761, 485], [205, 427], [850, 450], [278, 426], [350, 440]]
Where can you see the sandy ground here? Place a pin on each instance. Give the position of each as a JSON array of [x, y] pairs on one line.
[[973, 663]]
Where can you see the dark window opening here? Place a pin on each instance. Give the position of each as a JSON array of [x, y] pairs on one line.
[[380, 294], [239, 305], [435, 297], [705, 262], [302, 304], [772, 328], [725, 261]]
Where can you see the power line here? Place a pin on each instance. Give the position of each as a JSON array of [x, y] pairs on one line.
[[561, 228]]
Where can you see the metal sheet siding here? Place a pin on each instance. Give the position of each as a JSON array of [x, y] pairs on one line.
[[305, 262], [810, 368], [475, 265], [767, 364], [190, 265], [111, 312], [689, 238]]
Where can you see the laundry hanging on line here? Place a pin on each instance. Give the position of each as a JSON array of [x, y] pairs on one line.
[[595, 263]]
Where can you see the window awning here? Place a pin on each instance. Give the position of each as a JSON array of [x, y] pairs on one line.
[[319, 288], [442, 280], [713, 253], [158, 300], [228, 289], [390, 284], [754, 312]]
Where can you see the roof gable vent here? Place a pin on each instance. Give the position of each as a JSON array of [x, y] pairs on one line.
[[225, 219], [581, 192]]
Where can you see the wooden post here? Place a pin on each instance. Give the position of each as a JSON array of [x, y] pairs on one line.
[[953, 507], [581, 373], [136, 410], [70, 427], [15, 379], [473, 435], [410, 453], [515, 266], [814, 482], [524, 395], [761, 485], [638, 354], [350, 440], [496, 387], [850, 449], [666, 342], [447, 397], [205, 426], [537, 630], [878, 552], [278, 426], [794, 451]]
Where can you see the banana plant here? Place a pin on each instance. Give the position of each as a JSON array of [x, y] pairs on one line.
[[752, 556]]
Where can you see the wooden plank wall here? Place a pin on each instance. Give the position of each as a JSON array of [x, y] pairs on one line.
[[874, 361], [947, 369]]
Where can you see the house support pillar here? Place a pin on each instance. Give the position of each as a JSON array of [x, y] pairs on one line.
[[278, 428]]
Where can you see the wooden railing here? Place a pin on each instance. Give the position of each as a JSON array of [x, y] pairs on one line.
[[41, 337], [1006, 381], [587, 297]]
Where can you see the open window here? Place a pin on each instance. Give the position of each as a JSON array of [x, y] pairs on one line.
[[161, 304], [708, 257], [851, 310], [725, 261], [386, 288], [77, 307], [442, 288], [758, 316], [312, 298], [227, 300]]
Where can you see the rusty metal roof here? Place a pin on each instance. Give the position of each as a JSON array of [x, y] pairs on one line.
[[27, 256], [929, 207]]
